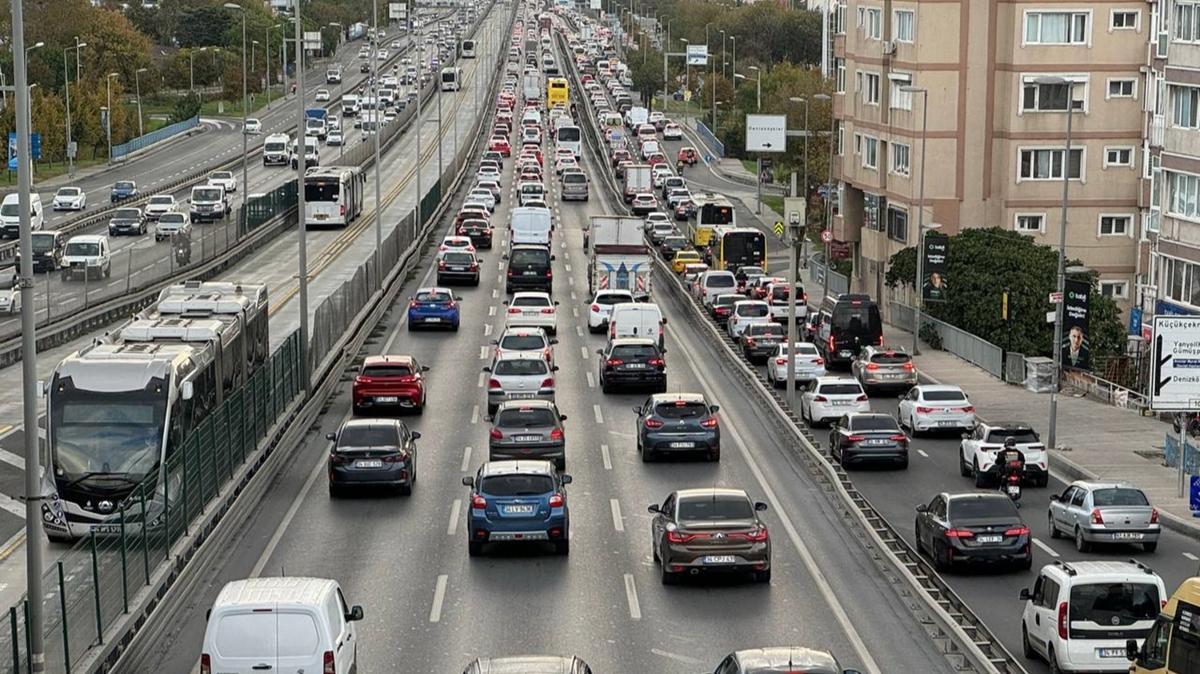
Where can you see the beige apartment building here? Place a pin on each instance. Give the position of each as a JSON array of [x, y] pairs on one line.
[[996, 136]]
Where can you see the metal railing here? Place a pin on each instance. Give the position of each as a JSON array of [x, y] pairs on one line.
[[144, 141], [710, 139], [93, 584], [974, 350], [1099, 388], [838, 283]]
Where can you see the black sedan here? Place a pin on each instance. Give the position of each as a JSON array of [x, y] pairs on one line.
[[671, 423], [457, 267], [372, 453], [671, 245], [986, 528], [633, 362], [127, 221], [759, 340], [867, 437], [722, 305]]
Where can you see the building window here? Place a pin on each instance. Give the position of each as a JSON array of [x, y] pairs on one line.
[[839, 20], [1123, 19], [870, 89], [1047, 164], [1187, 22], [872, 22], [1118, 290], [1118, 156], [904, 21], [1122, 88], [1030, 223], [841, 139], [1183, 195], [900, 158], [841, 76], [897, 224], [858, 138], [1179, 280], [870, 154], [1116, 225], [898, 99], [1186, 105], [873, 209], [1037, 97], [1056, 27]]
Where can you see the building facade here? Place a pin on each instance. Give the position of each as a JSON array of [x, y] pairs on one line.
[[1000, 78]]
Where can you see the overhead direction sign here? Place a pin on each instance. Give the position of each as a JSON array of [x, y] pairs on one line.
[[697, 55], [766, 133], [1175, 377]]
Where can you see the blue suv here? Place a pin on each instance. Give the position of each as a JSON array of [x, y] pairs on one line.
[[433, 307], [518, 501]]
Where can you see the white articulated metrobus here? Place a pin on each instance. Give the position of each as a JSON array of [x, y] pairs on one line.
[[333, 195], [451, 78]]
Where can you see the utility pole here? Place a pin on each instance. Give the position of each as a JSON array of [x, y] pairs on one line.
[[301, 163], [29, 388], [378, 131], [245, 112], [137, 86], [918, 284], [267, 52], [420, 125]]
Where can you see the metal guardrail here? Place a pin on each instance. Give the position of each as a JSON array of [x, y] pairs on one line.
[[974, 350], [838, 283], [710, 139], [144, 141]]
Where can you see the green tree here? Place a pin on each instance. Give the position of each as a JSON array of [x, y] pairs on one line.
[[185, 107], [980, 264], [646, 73]]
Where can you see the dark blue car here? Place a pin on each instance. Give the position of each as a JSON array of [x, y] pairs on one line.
[[123, 190], [433, 307], [518, 501]]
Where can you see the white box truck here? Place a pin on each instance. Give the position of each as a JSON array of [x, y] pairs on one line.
[[637, 179], [619, 258]]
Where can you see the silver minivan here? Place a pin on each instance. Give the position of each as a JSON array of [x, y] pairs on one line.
[[519, 375], [574, 186]]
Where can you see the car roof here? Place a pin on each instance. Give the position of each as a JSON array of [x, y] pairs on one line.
[[521, 355], [523, 330], [517, 467], [783, 658], [1103, 484], [388, 360], [434, 289], [87, 238], [373, 422], [1100, 571], [526, 664], [836, 380], [671, 397], [272, 590], [1013, 425], [710, 492], [632, 341]]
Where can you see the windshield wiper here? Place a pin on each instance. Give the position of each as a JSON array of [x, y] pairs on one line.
[[111, 476]]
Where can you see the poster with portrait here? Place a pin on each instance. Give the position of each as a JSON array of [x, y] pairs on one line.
[[1076, 349], [933, 269]]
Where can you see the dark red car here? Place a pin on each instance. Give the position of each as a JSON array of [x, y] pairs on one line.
[[389, 383]]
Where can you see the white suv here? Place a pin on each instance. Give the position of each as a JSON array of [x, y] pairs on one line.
[[1079, 615]]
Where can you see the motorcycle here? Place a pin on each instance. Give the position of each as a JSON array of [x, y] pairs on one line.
[[1012, 470]]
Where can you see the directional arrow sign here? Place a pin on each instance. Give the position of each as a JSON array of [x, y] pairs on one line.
[[1175, 380], [766, 133], [778, 229]]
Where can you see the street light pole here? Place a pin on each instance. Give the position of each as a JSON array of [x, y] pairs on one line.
[[267, 54], [793, 272], [137, 86], [302, 256], [733, 59], [724, 62], [67, 93], [378, 115], [686, 78], [918, 283], [666, 48], [829, 203], [245, 112], [420, 129], [108, 125]]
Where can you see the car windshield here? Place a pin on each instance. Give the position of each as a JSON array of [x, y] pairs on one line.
[[982, 508], [162, 200], [609, 299], [387, 370], [1114, 603], [1019, 435], [681, 409], [123, 186], [715, 508], [873, 423], [840, 389], [943, 396], [206, 194], [633, 351], [433, 296], [530, 301], [10, 209], [520, 367], [368, 436], [753, 310], [68, 192], [83, 248], [516, 485], [1119, 496], [525, 417]]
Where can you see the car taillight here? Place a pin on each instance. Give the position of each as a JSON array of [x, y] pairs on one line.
[[657, 362], [653, 423], [757, 536], [909, 366], [496, 434], [556, 501], [412, 304], [342, 210], [494, 383], [478, 502], [855, 438], [613, 362], [548, 310], [514, 310], [862, 398], [924, 410], [676, 537], [548, 382], [832, 345], [751, 342], [556, 434], [595, 308], [329, 665], [338, 459], [1017, 531], [959, 533], [362, 380], [549, 273], [781, 361], [820, 399], [872, 366], [899, 437], [1062, 621], [510, 273], [1097, 518], [710, 422], [205, 663], [819, 361], [1154, 516], [968, 409]]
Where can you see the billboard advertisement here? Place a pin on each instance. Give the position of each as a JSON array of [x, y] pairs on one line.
[[1076, 347], [933, 267]]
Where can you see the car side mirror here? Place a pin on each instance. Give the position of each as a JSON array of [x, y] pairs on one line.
[[356, 614], [760, 506], [331, 436], [487, 369], [505, 256], [921, 508], [424, 368], [1025, 594], [416, 435], [966, 436], [653, 508], [552, 258], [637, 410], [566, 479], [458, 298], [1131, 650], [599, 352], [851, 671], [664, 321], [553, 342], [468, 481]]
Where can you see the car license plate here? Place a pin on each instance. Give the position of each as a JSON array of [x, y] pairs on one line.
[[719, 559], [518, 510], [1128, 536], [682, 445], [526, 438], [1110, 652], [839, 403], [373, 463], [458, 269], [387, 399], [635, 366], [993, 538], [844, 354], [433, 320], [946, 423], [322, 216], [874, 443], [521, 396], [529, 273]]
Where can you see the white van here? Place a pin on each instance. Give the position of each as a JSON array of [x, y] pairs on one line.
[[10, 215], [637, 319], [350, 105], [281, 625], [530, 225], [713, 283]]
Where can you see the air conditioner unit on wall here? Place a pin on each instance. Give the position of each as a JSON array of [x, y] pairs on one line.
[[889, 48]]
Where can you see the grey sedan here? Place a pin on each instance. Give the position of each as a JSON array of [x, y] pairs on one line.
[[1104, 512], [528, 429]]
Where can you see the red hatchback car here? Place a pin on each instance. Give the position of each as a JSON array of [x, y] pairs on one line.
[[389, 383], [500, 144]]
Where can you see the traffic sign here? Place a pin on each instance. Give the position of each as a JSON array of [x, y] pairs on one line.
[[779, 229], [766, 133], [1055, 297], [826, 235], [1175, 378]]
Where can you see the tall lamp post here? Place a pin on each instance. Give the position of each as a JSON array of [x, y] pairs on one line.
[[302, 257], [733, 58], [686, 78], [833, 142], [724, 62], [137, 87], [918, 283], [758, 162], [377, 115], [666, 48], [1062, 254], [245, 112], [109, 116], [67, 92]]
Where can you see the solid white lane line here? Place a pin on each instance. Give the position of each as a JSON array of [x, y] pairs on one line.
[[922, 453], [598, 413], [454, 511], [466, 462], [635, 609], [591, 380], [618, 523], [475, 414], [439, 596], [1192, 557], [604, 455], [1045, 548]]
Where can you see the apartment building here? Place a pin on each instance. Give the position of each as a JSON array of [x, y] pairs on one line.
[[996, 125], [1172, 180]]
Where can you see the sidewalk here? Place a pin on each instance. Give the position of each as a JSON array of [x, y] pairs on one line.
[[1095, 440]]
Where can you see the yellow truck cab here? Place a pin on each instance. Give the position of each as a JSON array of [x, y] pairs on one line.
[[1173, 644]]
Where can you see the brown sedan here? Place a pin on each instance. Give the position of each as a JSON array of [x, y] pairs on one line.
[[710, 530]]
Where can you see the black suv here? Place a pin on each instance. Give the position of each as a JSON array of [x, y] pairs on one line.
[[634, 362], [529, 268], [845, 324], [48, 246]]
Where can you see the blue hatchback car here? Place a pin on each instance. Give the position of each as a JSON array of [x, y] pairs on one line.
[[433, 307], [518, 501]]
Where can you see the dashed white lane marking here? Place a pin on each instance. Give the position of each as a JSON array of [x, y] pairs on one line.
[[598, 413], [454, 508], [482, 378], [575, 311], [491, 311], [604, 455], [635, 609], [618, 521], [591, 380], [439, 596], [675, 656], [495, 293], [1192, 557], [483, 353], [466, 462], [1045, 548], [579, 330], [487, 330], [922, 453], [583, 351]]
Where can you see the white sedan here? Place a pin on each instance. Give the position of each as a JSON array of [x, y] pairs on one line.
[[809, 364], [69, 199], [828, 398], [672, 131], [253, 126], [532, 310], [484, 196], [929, 407], [322, 95], [600, 308]]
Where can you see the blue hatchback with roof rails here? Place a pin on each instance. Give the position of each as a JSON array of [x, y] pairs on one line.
[[518, 501], [433, 308]]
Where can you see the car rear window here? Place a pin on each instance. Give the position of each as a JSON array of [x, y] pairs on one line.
[[1114, 604], [781, 292], [574, 178], [368, 436], [727, 300], [681, 409], [127, 213], [802, 349], [516, 485], [522, 342], [857, 318], [530, 301], [1119, 496], [753, 310], [873, 423], [982, 508], [433, 296], [613, 298], [521, 417], [716, 508], [942, 396], [769, 329], [526, 257], [517, 367], [458, 258], [634, 351], [301, 631], [890, 358], [389, 370], [840, 389], [1019, 435]]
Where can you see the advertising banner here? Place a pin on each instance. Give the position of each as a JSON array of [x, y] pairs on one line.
[[1076, 348], [933, 281]]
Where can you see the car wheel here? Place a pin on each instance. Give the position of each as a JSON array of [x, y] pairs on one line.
[[963, 468], [1026, 647], [406, 489], [562, 547], [980, 476], [1081, 544], [604, 387], [440, 281], [474, 548], [714, 454], [654, 554], [762, 576], [1054, 532], [941, 557], [669, 578], [334, 491], [1052, 660], [917, 537], [1150, 547]]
